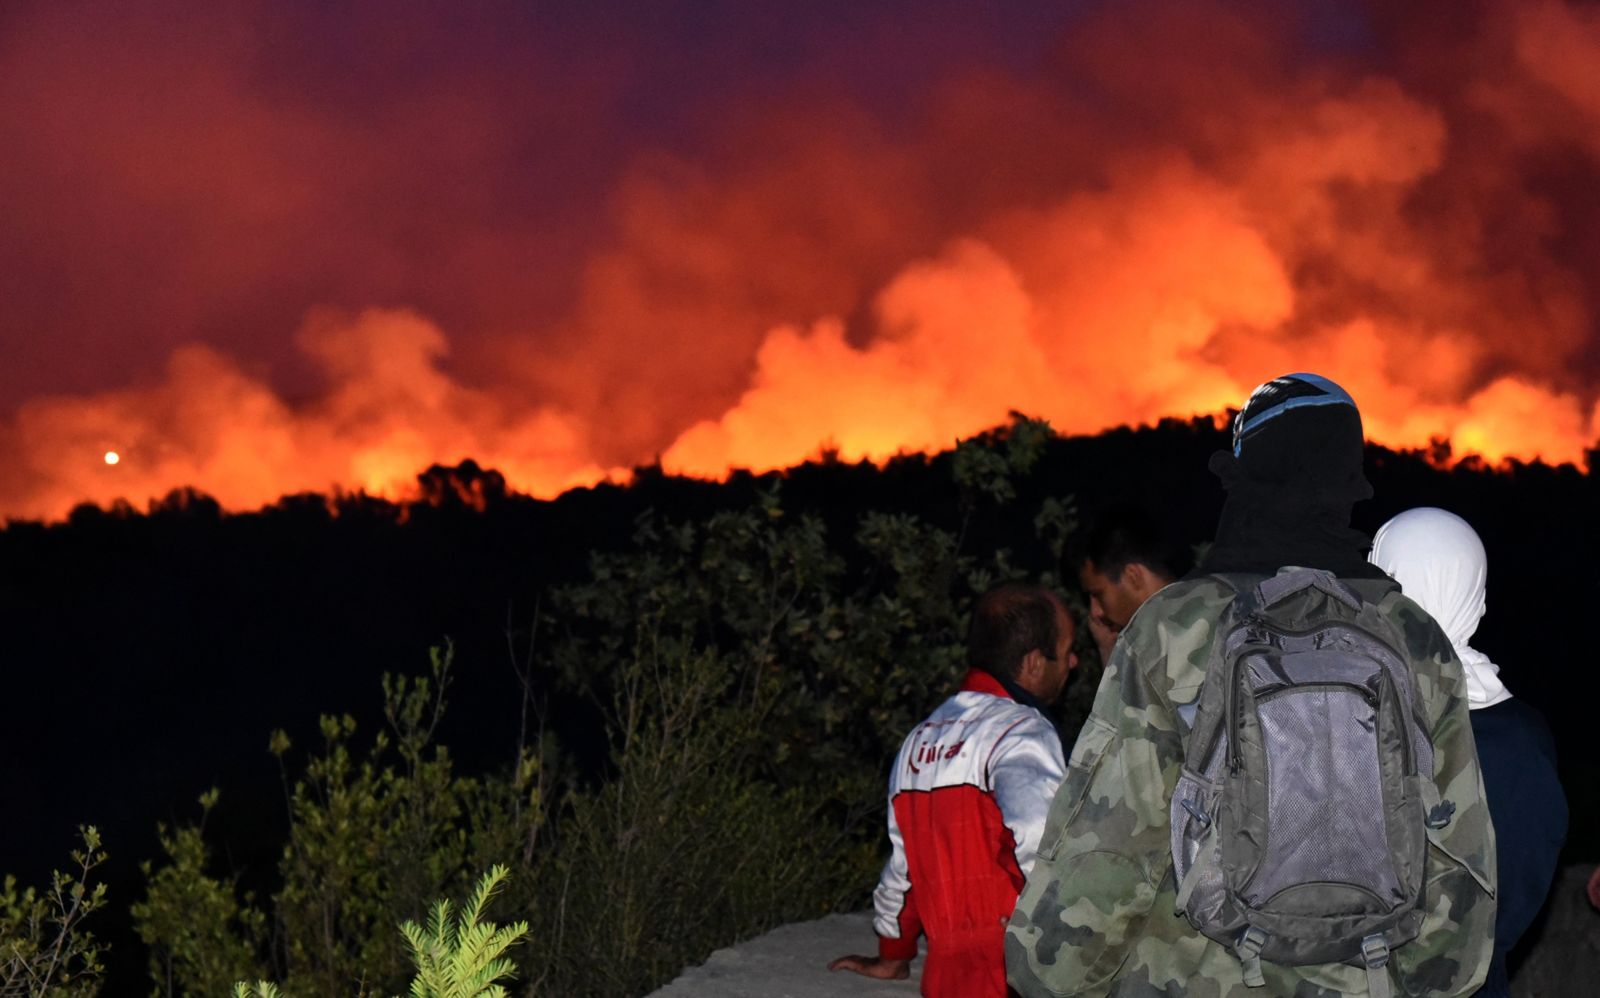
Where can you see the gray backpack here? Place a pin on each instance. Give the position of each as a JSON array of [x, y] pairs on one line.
[[1298, 824]]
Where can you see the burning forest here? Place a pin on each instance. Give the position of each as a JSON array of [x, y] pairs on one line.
[[267, 250]]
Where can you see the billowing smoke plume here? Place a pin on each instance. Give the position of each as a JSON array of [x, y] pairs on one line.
[[1178, 202]]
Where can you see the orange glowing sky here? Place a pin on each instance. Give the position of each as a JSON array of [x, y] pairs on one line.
[[272, 247]]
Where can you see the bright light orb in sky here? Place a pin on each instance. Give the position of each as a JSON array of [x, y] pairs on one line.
[[112, 457]]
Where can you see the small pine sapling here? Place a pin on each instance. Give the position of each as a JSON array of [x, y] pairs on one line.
[[463, 958]]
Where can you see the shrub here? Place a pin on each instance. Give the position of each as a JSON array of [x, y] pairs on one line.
[[202, 936], [374, 835], [44, 950]]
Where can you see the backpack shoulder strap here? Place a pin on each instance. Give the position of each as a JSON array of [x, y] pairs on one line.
[[1245, 587], [1203, 716], [1264, 591]]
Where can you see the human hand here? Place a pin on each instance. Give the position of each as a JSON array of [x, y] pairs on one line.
[[880, 967], [1104, 633]]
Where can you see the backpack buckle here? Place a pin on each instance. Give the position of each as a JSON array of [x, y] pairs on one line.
[[1375, 954], [1375, 951], [1248, 949]]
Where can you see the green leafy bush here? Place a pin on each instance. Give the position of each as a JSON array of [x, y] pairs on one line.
[[375, 834], [44, 949], [202, 935]]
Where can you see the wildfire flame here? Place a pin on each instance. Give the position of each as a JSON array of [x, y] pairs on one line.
[[1185, 202]]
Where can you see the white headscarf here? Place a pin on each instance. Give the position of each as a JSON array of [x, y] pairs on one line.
[[1439, 562]]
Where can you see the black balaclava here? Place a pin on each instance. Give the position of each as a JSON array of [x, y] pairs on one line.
[[1292, 478]]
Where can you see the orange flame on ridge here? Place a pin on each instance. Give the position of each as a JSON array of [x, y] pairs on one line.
[[390, 413]]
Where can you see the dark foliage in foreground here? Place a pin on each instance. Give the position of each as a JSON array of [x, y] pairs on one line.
[[746, 671], [695, 685]]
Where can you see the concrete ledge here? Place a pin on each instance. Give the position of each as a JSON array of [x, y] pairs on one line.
[[792, 962]]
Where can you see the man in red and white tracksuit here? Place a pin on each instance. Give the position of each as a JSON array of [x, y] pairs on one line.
[[967, 801]]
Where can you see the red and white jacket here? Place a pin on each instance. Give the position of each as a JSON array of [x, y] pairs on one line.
[[967, 802]]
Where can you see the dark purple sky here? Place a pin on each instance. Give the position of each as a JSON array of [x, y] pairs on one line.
[[178, 172]]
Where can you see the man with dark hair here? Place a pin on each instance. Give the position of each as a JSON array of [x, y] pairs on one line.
[[967, 800], [1125, 560], [1276, 791], [1008, 622]]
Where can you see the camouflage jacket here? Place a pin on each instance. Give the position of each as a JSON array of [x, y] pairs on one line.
[[1097, 916]]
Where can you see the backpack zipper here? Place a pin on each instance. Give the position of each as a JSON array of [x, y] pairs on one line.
[[1231, 708], [1270, 692]]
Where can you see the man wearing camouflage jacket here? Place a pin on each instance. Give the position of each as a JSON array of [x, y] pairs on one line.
[[1098, 913]]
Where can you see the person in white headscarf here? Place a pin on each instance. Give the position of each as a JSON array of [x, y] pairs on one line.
[[1440, 563]]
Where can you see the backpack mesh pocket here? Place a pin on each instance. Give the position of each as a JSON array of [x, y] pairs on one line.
[[1324, 788]]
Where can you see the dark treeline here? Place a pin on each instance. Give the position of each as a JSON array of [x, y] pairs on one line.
[[148, 654]]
